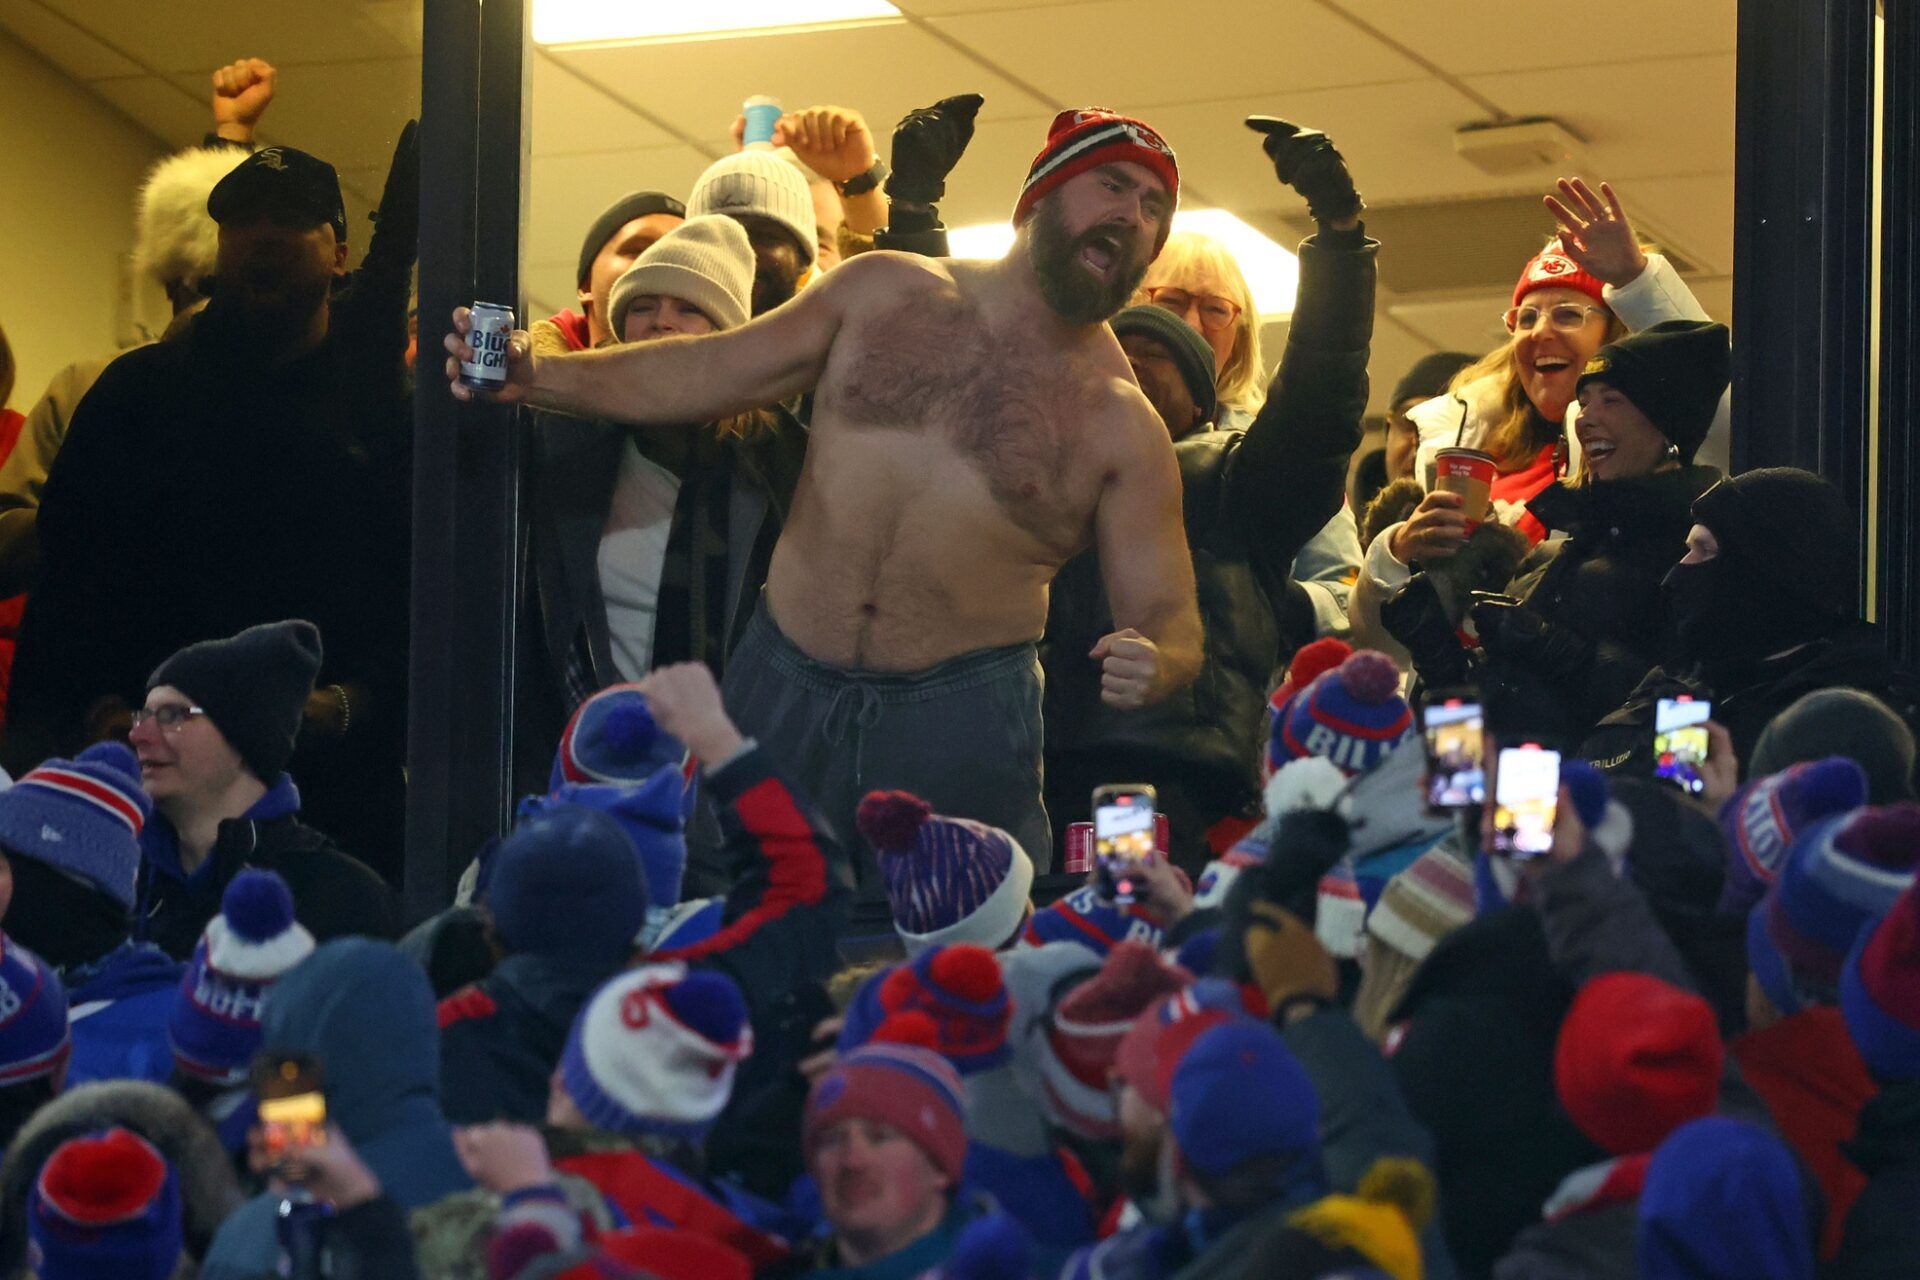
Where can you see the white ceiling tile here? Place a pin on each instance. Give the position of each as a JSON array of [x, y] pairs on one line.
[[349, 113], [571, 116], [931, 8], [63, 42], [883, 72], [1139, 53], [1671, 115], [568, 192], [1452, 324], [1504, 35], [158, 107], [193, 36], [1694, 213]]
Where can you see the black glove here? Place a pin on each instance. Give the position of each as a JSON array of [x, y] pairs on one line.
[[926, 146], [1515, 633], [1306, 160], [1418, 619], [396, 223]]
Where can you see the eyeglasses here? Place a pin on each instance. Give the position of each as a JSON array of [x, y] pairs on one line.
[[168, 715], [1566, 317], [1216, 312]]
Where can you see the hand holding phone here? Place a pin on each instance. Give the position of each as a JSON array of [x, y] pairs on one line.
[[1123, 840], [1454, 729], [1526, 799], [292, 1108], [1681, 743]]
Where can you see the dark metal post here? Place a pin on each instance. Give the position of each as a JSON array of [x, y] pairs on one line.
[[1802, 212], [473, 149], [1898, 596]]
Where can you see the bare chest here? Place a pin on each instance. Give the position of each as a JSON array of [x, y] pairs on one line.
[[1020, 417]]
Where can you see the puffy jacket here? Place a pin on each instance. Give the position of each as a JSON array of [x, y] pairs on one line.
[[1598, 591], [120, 1007], [334, 895], [1253, 499]]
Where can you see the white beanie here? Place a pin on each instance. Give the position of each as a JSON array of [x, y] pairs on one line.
[[654, 1051], [705, 261], [759, 184]]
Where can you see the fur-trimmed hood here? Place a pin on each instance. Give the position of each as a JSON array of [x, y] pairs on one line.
[[174, 237], [209, 1189]]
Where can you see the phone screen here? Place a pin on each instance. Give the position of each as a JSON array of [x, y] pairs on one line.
[[1123, 839], [292, 1109], [1456, 775], [1680, 741], [1525, 801]]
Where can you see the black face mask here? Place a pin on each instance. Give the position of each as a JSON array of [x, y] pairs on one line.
[[1726, 620]]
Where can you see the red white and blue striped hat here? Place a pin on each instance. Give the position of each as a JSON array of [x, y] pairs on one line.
[[34, 1040], [82, 816], [1087, 138]]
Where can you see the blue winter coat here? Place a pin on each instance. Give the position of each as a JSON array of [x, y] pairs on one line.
[[118, 1007], [367, 1012]]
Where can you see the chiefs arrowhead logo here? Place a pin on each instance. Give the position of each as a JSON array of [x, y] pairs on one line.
[[1549, 265]]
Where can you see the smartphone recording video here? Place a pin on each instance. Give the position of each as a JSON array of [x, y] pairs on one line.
[[1454, 728], [1526, 794], [1123, 839], [1680, 742], [292, 1108]]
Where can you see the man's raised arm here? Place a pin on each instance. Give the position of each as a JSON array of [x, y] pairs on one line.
[[670, 381], [1155, 649]]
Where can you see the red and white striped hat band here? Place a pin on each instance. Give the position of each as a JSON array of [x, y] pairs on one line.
[[79, 786], [1081, 140]]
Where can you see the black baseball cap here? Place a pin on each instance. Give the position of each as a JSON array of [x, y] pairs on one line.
[[280, 181]]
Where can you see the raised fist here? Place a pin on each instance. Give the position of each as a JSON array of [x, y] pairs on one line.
[[241, 93], [926, 146]]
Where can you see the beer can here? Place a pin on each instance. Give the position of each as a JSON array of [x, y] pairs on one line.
[[1079, 847], [492, 330]]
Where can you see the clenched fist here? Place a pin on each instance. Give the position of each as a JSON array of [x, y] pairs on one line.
[[241, 93]]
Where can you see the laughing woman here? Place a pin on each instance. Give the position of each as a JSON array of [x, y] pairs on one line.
[[1591, 619], [1590, 286]]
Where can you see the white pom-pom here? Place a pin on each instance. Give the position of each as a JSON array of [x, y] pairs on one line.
[[1313, 782]]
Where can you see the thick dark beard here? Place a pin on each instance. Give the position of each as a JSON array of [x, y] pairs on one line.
[[1074, 295], [771, 289]]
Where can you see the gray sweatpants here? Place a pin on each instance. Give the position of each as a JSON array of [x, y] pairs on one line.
[[964, 736]]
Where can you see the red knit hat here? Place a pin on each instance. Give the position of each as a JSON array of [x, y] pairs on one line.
[[911, 1088], [1553, 269], [1153, 1046], [1084, 1035], [1088, 138], [1637, 1059]]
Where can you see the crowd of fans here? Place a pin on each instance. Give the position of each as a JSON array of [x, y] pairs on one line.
[[1328, 1029]]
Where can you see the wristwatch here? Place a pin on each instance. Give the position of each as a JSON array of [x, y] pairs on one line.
[[861, 183]]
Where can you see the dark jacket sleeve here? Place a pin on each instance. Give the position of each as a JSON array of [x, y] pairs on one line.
[[1362, 1114], [372, 1240], [1289, 476], [1598, 922], [791, 894]]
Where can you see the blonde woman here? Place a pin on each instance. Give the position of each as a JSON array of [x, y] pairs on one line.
[[1591, 285], [1197, 278]]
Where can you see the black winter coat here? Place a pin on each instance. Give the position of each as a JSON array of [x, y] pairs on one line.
[[1882, 1240], [1473, 1050], [1600, 586], [334, 895], [1252, 500], [1853, 658], [501, 1038]]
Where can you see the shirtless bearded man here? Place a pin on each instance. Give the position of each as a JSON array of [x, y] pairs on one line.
[[975, 425]]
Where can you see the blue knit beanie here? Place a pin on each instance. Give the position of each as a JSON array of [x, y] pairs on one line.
[[1843, 873], [567, 884], [34, 1040], [613, 737], [948, 879], [649, 812], [654, 1051], [215, 1026], [1880, 993], [1723, 1201], [1763, 819], [83, 817], [1352, 715], [105, 1206], [1240, 1094]]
